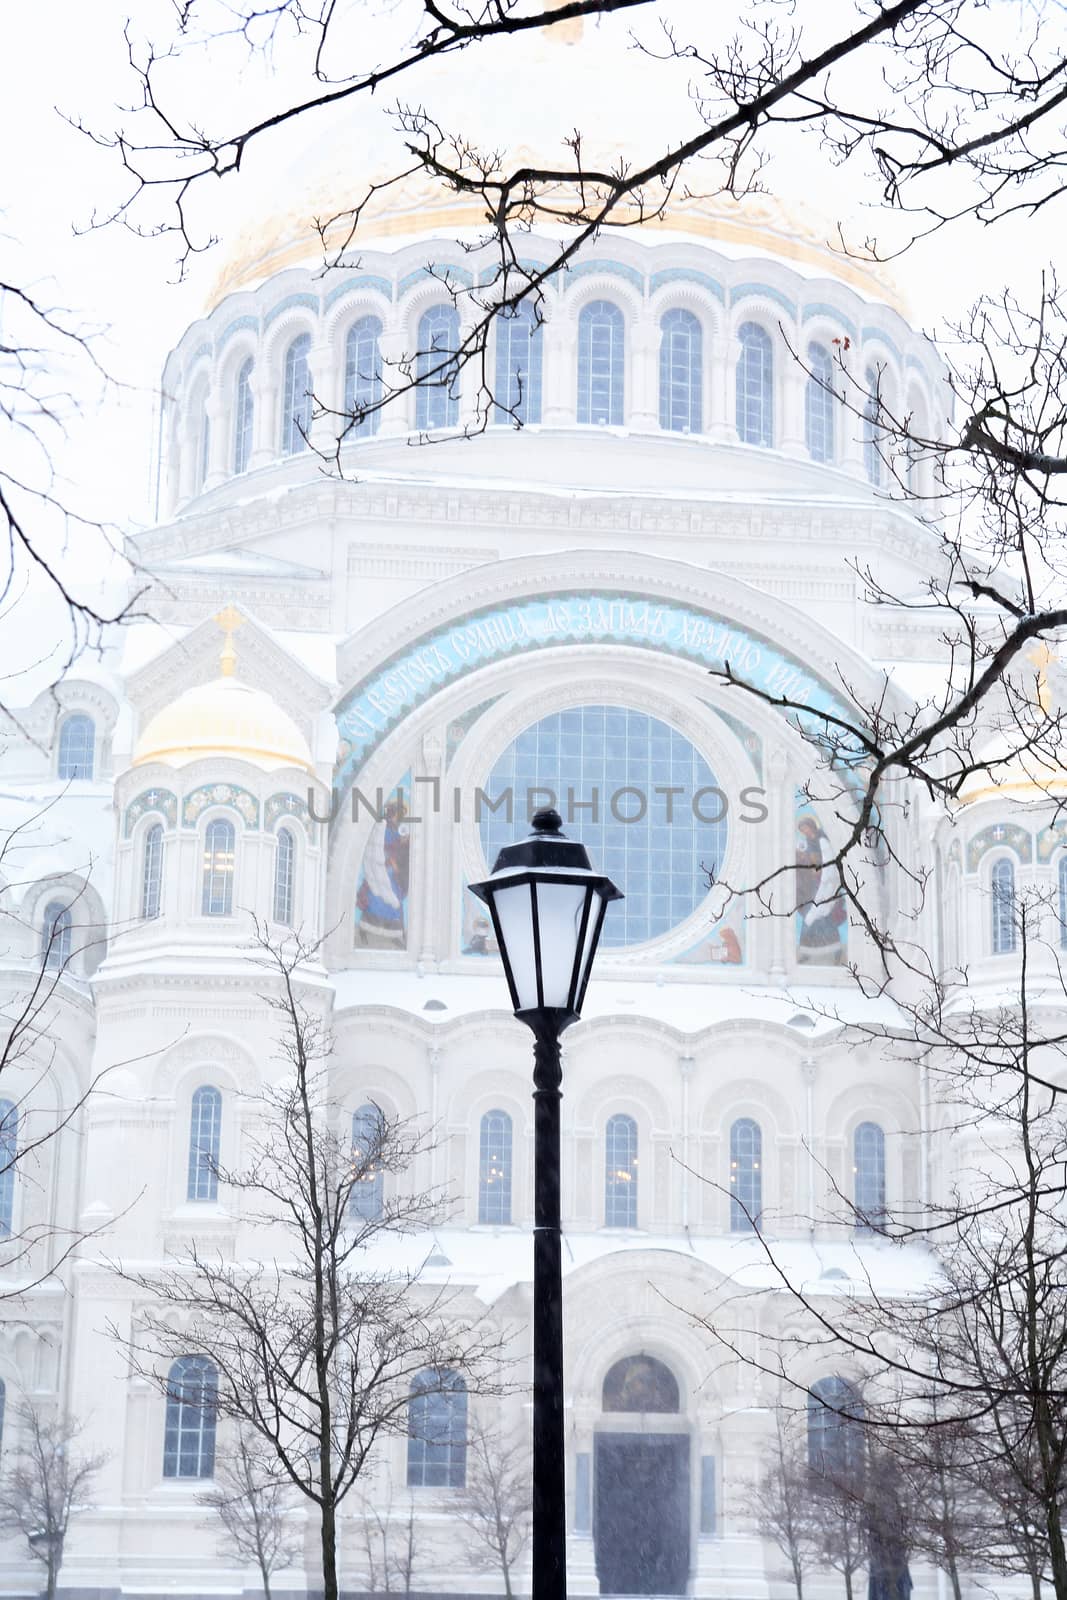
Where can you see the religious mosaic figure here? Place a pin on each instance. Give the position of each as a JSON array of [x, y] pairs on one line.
[[821, 913], [381, 899]]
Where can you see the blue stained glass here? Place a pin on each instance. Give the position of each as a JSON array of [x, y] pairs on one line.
[[601, 363], [437, 378], [819, 404], [659, 862], [296, 399], [363, 376], [755, 386], [680, 372], [518, 365]]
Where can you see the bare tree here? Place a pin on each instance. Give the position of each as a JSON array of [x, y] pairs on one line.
[[248, 1498], [390, 1543], [44, 1484], [317, 1345], [784, 1503], [496, 1501]]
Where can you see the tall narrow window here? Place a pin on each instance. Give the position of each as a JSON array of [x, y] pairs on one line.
[[914, 447], [681, 376], [437, 393], [868, 1170], [601, 363], [152, 872], [9, 1147], [835, 1431], [3, 1409], [872, 455], [755, 386], [219, 846], [203, 448], [518, 365], [746, 1175], [494, 1168], [189, 1432], [363, 377], [205, 1133], [620, 1172], [1003, 886], [77, 748], [296, 396], [57, 935], [1063, 901], [819, 404], [243, 416], [284, 877], [437, 1431], [365, 1198]]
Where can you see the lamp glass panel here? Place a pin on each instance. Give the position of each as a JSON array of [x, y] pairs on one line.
[[514, 909], [559, 910], [590, 934]]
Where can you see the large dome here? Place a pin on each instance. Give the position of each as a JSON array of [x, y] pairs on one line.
[[224, 718]]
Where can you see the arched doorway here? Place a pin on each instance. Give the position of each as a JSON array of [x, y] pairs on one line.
[[641, 1482]]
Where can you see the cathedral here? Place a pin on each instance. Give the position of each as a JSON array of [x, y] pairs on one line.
[[343, 691]]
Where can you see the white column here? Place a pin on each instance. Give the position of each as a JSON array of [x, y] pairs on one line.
[[794, 379], [266, 445], [560, 362], [398, 414]]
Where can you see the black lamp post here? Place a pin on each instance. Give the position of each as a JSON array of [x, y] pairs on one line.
[[547, 906]]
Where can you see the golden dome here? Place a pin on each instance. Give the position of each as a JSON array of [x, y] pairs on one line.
[[224, 718], [1013, 774]]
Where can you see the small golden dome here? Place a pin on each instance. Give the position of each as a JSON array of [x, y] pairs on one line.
[[224, 718], [1009, 773]]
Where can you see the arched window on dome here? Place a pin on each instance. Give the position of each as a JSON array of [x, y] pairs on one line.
[[57, 935], [152, 872], [494, 1168], [819, 404], [284, 877], [77, 748], [220, 844], [437, 394], [755, 386], [9, 1148], [681, 372], [296, 396], [620, 1172], [366, 1196], [835, 1430], [872, 455], [243, 416], [1062, 885], [205, 1135], [601, 363], [363, 377], [437, 1430], [1002, 885], [746, 1175], [518, 364], [868, 1177], [189, 1430]]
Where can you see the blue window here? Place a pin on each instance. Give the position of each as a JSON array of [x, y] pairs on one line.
[[152, 872], [77, 748], [1063, 902], [296, 396], [365, 1198], [620, 1172], [819, 404], [835, 1432], [518, 365], [203, 458], [189, 1432], [284, 877], [219, 847], [437, 1431], [872, 457], [746, 1175], [681, 372], [494, 1168], [437, 394], [755, 386], [57, 935], [1003, 886], [868, 1170], [243, 417], [604, 764], [205, 1132], [601, 363], [9, 1148], [363, 377]]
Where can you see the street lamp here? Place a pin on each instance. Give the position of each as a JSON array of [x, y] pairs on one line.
[[547, 906]]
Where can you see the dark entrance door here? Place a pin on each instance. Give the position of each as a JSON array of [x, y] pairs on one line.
[[641, 1512]]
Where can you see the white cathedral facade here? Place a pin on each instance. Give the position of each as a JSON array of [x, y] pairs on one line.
[[347, 688]]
